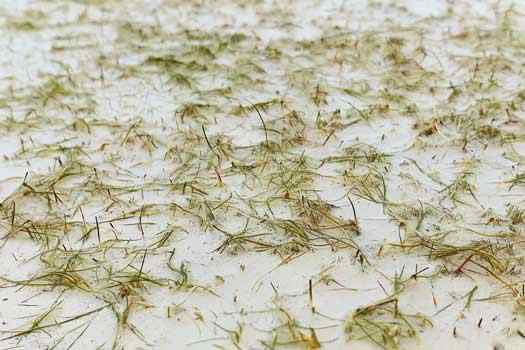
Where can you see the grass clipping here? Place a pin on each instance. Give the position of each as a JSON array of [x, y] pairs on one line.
[[384, 324]]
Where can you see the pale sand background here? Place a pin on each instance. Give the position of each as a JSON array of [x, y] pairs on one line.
[[202, 318]]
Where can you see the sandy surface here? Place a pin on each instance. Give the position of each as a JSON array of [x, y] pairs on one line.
[[181, 174]]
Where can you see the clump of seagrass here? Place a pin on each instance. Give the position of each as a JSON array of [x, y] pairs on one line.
[[384, 324]]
